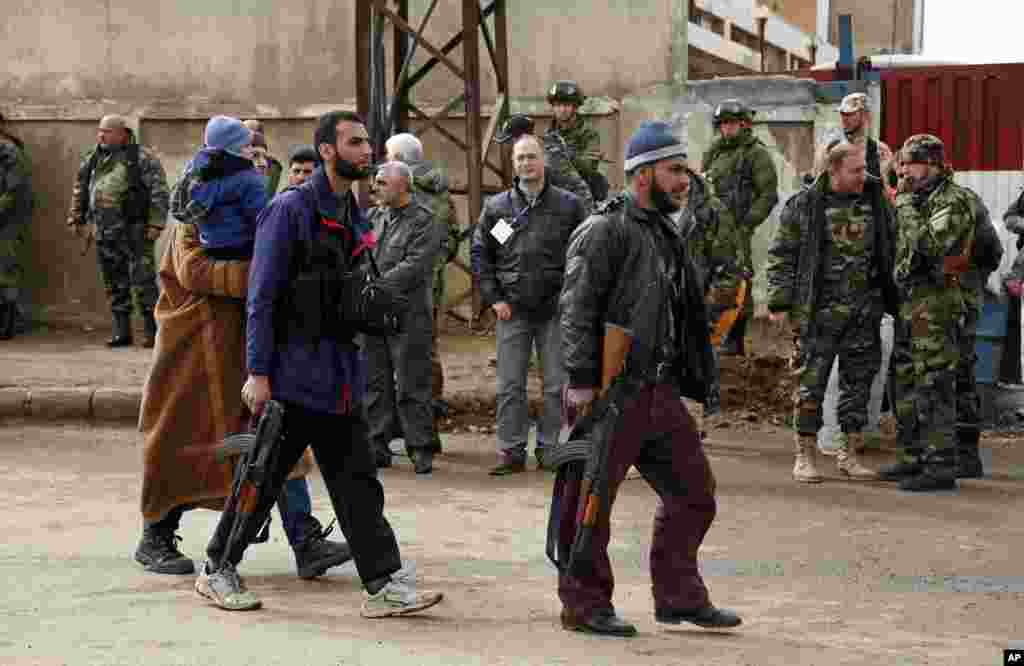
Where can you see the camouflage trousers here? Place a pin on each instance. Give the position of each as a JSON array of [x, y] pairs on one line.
[[931, 369], [12, 268], [128, 267], [859, 349]]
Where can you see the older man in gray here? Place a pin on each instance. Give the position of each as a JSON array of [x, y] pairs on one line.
[[398, 366]]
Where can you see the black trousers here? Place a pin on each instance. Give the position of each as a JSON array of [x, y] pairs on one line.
[[349, 470]]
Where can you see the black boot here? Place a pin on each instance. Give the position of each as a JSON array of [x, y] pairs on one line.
[[122, 331], [938, 473], [734, 344], [899, 471], [148, 330], [968, 459], [314, 555], [158, 552], [8, 316], [422, 460]]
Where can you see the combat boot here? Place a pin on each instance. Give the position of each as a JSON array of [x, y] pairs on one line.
[[909, 467], [804, 469], [969, 464], [314, 555], [847, 461], [122, 336], [148, 330], [8, 316], [938, 472], [158, 553]]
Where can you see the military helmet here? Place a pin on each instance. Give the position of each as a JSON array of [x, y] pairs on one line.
[[732, 109], [565, 91], [517, 125], [923, 149]]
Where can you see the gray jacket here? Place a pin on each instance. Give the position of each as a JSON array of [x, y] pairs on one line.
[[408, 243]]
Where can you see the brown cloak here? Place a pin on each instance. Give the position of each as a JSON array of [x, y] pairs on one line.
[[192, 396]]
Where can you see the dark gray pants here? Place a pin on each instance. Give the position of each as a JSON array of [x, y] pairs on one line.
[[399, 384]]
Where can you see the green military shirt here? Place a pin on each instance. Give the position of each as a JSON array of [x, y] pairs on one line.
[[109, 186], [584, 144]]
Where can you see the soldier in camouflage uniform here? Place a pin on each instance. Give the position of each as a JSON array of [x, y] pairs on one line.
[[935, 233], [15, 213], [828, 268], [855, 117], [582, 140], [430, 188], [121, 199], [742, 175], [559, 170], [716, 246]]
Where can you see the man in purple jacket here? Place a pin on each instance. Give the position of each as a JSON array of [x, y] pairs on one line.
[[300, 353]]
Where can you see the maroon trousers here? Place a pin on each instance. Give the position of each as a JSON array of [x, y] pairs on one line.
[[656, 434]]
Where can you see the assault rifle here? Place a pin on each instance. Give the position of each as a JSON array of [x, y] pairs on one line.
[[599, 423], [258, 458]]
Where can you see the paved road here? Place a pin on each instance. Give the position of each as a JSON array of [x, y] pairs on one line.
[[834, 574]]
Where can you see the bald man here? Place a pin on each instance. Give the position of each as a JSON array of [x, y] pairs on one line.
[[120, 199]]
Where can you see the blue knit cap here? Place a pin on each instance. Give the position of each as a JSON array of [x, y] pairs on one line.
[[227, 134], [653, 141]]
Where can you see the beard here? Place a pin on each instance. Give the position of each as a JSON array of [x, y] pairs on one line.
[[663, 201], [349, 171]]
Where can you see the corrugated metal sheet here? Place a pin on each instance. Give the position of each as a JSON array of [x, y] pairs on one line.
[[977, 111]]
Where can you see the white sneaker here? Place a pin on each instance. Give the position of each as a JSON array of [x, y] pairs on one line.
[[399, 597]]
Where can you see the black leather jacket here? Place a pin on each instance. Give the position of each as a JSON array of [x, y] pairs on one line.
[[616, 274], [526, 271]]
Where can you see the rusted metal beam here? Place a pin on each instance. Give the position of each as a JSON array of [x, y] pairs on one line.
[[363, 18], [448, 47], [381, 6], [471, 60], [398, 120], [501, 49], [433, 123]]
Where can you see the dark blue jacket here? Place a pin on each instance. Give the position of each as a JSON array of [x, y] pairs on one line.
[[324, 375], [232, 202]]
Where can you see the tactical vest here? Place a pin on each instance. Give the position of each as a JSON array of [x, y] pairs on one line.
[[135, 205]]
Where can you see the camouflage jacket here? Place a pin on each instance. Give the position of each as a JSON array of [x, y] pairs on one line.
[[712, 238], [584, 145], [1014, 219], [830, 251], [108, 189], [15, 187], [933, 224], [743, 177], [560, 170]]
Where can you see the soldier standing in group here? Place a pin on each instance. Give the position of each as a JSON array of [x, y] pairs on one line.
[[716, 246], [856, 120], [936, 227], [829, 274], [120, 200], [743, 176], [15, 212], [582, 140]]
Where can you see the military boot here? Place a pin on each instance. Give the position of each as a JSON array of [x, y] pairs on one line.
[[804, 470], [148, 330], [122, 336], [8, 316], [969, 464], [314, 555], [938, 472], [158, 553], [847, 461]]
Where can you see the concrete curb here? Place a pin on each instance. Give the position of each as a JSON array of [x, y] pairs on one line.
[[71, 404]]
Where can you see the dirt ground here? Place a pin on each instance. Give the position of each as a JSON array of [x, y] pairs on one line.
[[839, 573]]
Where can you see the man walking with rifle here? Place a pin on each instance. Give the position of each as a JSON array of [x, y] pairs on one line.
[[635, 340], [306, 302]]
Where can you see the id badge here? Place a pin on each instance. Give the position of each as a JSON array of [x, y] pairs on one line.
[[502, 231]]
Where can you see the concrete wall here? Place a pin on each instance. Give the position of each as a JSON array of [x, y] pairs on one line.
[[874, 23]]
